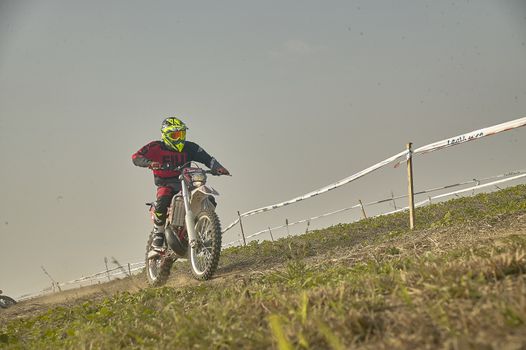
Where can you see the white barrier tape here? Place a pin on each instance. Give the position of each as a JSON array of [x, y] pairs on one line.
[[470, 136], [477, 181], [100, 277], [304, 220], [321, 190], [95, 275], [353, 177], [79, 281], [291, 224], [480, 186], [405, 208], [456, 192], [473, 135], [492, 130], [133, 267], [328, 187], [230, 226]]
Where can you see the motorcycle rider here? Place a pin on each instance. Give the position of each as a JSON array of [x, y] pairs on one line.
[[162, 156]]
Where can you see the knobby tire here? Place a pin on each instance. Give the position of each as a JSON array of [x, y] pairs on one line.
[[165, 267], [215, 247]]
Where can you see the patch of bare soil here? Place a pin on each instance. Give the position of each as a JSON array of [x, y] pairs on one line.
[[180, 276], [70, 297]]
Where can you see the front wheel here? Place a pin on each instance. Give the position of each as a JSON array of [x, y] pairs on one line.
[[157, 267], [6, 301], [204, 256]]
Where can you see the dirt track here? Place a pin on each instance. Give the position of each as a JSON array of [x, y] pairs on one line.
[[78, 295], [432, 240]]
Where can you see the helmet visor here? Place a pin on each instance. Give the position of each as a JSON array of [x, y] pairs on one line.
[[177, 135]]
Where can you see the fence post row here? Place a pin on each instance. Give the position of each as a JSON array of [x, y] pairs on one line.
[[96, 277], [392, 198], [410, 185]]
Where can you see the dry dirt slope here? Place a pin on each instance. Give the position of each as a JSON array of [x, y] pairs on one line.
[[458, 281], [419, 242]]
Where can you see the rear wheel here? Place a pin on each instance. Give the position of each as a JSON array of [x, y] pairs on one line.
[[204, 256], [6, 301], [157, 267]]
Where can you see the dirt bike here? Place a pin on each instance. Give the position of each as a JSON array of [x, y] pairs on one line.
[[192, 229], [6, 301]]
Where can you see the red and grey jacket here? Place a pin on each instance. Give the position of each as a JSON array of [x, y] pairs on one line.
[[156, 151]]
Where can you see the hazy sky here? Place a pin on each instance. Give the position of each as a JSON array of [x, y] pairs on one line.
[[288, 95]]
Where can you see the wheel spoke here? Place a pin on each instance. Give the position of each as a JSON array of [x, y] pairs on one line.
[[206, 251], [202, 228]]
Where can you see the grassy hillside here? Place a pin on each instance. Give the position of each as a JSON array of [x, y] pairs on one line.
[[457, 282]]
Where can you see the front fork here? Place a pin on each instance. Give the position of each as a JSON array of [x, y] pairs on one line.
[[189, 216]]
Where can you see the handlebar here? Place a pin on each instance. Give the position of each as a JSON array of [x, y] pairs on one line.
[[170, 166]]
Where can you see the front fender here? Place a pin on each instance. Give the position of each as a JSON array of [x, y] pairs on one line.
[[209, 191], [199, 196]]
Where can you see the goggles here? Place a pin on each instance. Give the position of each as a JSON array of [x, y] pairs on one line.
[[176, 135]]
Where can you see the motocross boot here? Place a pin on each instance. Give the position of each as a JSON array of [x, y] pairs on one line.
[[158, 237]]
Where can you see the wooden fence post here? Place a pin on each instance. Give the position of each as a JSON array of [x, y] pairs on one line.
[[287, 224], [410, 186], [107, 270], [53, 282], [392, 198], [270, 231], [241, 225], [478, 183], [363, 209]]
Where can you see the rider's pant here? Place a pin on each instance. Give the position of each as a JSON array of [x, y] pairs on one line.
[[164, 197]]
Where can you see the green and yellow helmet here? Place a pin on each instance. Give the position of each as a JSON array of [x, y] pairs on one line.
[[173, 132]]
